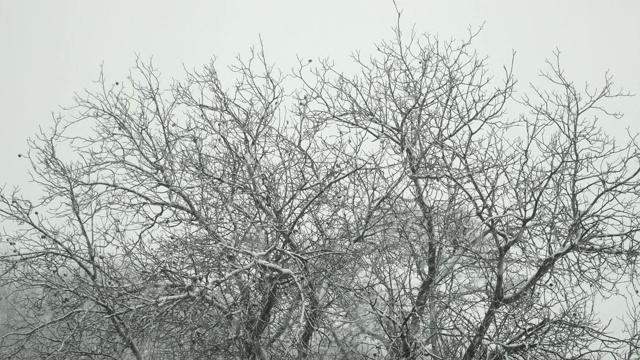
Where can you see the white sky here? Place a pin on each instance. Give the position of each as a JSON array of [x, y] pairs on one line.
[[51, 49]]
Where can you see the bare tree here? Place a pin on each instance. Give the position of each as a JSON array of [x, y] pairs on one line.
[[399, 212], [507, 228]]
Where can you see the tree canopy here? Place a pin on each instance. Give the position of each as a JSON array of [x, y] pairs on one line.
[[396, 212]]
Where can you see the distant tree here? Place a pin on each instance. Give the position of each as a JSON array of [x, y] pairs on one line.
[[394, 213]]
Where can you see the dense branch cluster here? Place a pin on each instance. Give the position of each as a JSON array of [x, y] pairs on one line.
[[396, 213]]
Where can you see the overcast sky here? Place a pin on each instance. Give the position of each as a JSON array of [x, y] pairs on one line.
[[51, 49]]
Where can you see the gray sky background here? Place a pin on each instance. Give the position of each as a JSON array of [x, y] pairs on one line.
[[51, 49]]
